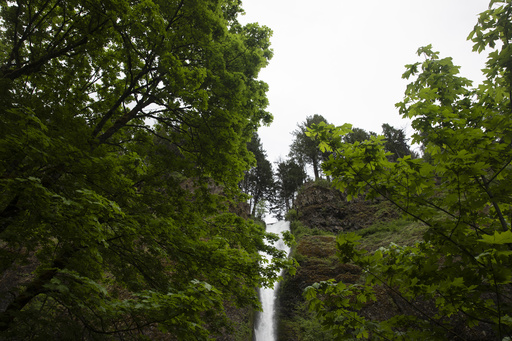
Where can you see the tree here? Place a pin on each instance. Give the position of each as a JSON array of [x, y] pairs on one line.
[[259, 180], [396, 142], [358, 135], [304, 149], [462, 196], [123, 131], [290, 176]]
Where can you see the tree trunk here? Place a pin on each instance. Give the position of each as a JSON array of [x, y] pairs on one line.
[[315, 169]]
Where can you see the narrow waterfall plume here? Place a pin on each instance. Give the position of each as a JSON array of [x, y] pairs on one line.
[[265, 321]]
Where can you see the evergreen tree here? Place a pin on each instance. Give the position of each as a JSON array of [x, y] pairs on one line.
[[304, 149], [290, 176], [396, 142], [358, 135], [259, 180]]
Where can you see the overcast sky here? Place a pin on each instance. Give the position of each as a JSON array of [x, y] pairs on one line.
[[344, 59]]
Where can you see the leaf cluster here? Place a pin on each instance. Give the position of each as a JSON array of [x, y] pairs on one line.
[[123, 137], [459, 193]]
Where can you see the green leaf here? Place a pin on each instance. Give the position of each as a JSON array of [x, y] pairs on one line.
[[498, 238]]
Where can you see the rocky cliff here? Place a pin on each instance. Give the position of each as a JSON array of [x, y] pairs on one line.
[[320, 213], [322, 207]]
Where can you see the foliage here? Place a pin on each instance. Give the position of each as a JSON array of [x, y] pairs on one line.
[[291, 215], [304, 149], [300, 230], [259, 180], [461, 195], [357, 135], [290, 177], [304, 326], [382, 234], [261, 209], [396, 142], [123, 131]]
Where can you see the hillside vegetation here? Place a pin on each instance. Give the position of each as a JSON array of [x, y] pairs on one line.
[[316, 228], [455, 283], [320, 214]]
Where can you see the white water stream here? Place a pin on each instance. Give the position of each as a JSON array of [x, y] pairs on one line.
[[265, 321]]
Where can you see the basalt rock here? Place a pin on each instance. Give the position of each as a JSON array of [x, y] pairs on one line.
[[325, 208]]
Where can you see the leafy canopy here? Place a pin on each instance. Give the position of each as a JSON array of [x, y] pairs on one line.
[[123, 131], [462, 194], [289, 178], [303, 149], [259, 180]]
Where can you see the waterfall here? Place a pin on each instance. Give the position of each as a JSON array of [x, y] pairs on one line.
[[265, 326]]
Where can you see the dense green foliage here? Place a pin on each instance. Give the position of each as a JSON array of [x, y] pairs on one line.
[[258, 181], [461, 194], [289, 177], [357, 135], [316, 255], [395, 142], [304, 149], [123, 132]]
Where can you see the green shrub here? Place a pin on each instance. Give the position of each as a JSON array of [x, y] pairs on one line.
[[291, 215], [323, 183], [303, 326], [299, 230]]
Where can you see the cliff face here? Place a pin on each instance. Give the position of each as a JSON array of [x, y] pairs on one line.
[[324, 213], [318, 262], [326, 209], [321, 214]]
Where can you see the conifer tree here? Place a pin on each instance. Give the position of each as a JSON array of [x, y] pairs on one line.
[[304, 149]]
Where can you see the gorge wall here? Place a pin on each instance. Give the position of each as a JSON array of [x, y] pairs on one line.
[[320, 213], [322, 207]]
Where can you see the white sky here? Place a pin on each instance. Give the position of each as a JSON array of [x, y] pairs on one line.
[[344, 59]]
